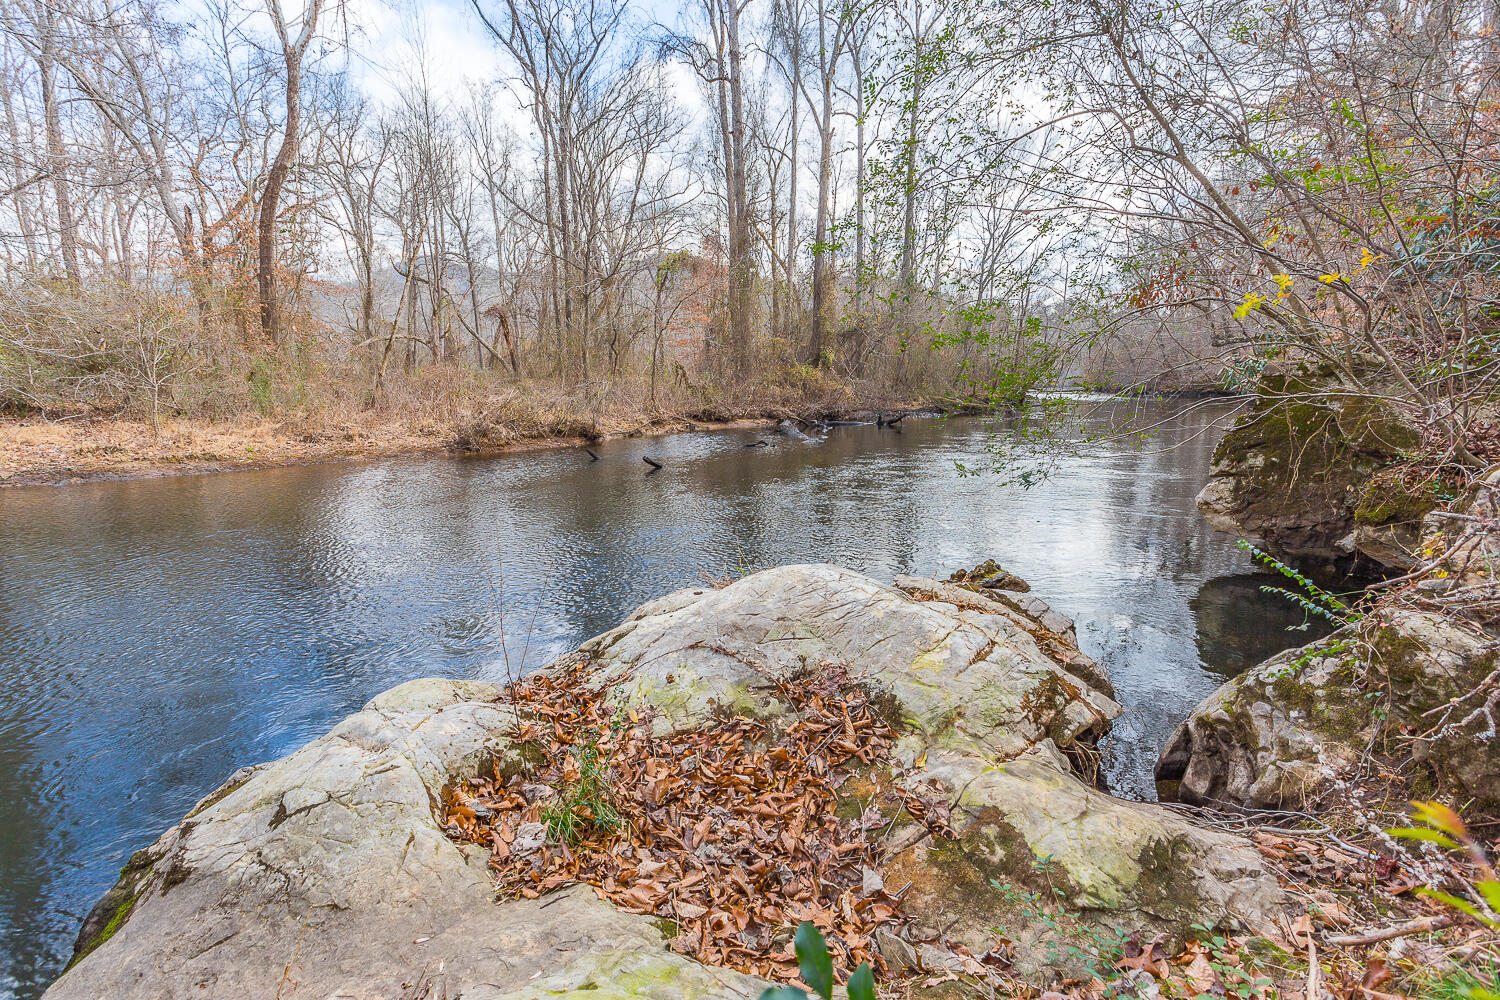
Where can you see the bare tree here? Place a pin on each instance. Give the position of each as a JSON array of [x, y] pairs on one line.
[[294, 36]]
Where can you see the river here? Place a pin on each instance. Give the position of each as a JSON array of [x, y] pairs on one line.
[[157, 634]]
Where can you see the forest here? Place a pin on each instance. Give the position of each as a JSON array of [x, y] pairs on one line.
[[310, 213]]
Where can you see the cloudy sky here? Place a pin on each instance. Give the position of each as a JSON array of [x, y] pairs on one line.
[[393, 40]]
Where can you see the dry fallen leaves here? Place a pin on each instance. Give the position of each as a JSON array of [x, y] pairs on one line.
[[735, 832]]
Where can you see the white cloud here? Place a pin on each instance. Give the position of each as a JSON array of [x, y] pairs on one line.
[[444, 40]]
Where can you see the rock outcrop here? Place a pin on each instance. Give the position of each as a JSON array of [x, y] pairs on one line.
[[1303, 471], [1462, 549], [1282, 734], [1033, 843], [326, 873]]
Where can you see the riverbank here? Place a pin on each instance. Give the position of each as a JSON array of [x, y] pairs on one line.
[[226, 620], [37, 452]]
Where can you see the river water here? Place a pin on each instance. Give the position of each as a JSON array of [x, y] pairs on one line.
[[157, 634]]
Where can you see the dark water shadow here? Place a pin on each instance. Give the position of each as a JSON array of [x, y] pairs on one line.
[[1240, 623]]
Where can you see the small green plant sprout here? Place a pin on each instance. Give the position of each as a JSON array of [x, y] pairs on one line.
[[1221, 966], [1442, 826], [584, 803], [1068, 938], [816, 966], [1314, 599]]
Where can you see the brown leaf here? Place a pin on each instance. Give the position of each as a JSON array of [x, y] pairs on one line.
[[1377, 974]]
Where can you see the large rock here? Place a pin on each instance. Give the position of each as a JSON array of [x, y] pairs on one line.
[[1282, 734], [1463, 549], [326, 874], [1302, 471], [991, 687], [1032, 841], [1052, 633], [629, 975], [959, 677]]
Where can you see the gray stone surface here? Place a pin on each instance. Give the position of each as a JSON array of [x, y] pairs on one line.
[[628, 975], [977, 683], [326, 875], [1103, 865]]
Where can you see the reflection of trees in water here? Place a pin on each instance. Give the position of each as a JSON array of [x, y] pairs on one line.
[[1239, 625]]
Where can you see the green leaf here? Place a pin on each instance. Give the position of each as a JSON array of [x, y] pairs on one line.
[[1419, 833], [1462, 905], [813, 959], [783, 993], [862, 983], [1490, 890]]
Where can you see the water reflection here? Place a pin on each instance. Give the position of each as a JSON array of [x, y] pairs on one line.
[[155, 635], [1240, 623]]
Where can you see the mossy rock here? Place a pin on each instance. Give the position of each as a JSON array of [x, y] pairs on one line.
[[1296, 469], [113, 910], [631, 975], [1063, 868], [1386, 499], [1280, 735]]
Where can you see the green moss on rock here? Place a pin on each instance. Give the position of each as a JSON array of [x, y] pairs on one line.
[[114, 909], [1385, 499], [1296, 470]]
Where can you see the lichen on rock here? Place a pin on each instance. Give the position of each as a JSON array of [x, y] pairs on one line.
[[1112, 866], [1282, 734]]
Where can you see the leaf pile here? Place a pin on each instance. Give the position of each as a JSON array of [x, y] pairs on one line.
[[733, 831]]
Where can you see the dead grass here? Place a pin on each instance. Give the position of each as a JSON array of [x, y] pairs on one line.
[[120, 382], [438, 410]]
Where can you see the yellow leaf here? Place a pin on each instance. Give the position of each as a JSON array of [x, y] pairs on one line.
[[1440, 817], [1252, 302]]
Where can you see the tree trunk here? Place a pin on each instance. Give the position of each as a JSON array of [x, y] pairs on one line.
[[265, 272], [270, 199], [791, 201], [740, 276], [67, 225], [859, 176]]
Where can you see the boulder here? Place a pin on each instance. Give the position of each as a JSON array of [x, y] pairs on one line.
[[629, 975], [1277, 736], [988, 575], [1032, 843], [957, 678], [327, 873], [1302, 472], [1284, 733], [1052, 634], [1464, 549]]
